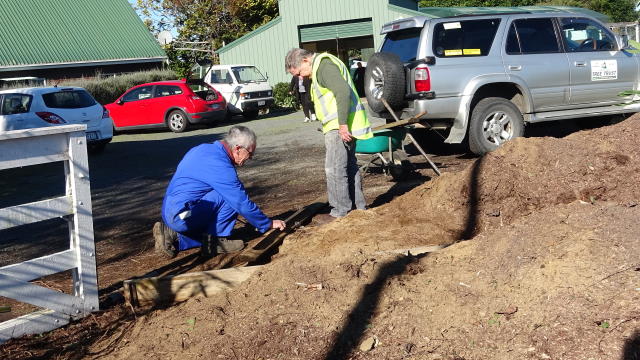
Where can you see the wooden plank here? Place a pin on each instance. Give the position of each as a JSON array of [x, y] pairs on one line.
[[173, 289], [35, 211], [35, 323], [40, 296], [409, 121], [42, 266], [170, 289], [271, 238]]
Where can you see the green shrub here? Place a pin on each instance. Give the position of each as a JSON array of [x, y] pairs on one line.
[[282, 98], [106, 90]]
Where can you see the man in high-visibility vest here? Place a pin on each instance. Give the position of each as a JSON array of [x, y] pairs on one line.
[[344, 119]]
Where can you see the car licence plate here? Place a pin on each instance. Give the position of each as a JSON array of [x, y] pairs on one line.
[[92, 135], [260, 103]]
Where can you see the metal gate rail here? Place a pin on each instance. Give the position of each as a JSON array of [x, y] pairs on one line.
[[39, 146]]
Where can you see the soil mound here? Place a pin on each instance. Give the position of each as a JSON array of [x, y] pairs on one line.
[[557, 284], [523, 176], [552, 271]]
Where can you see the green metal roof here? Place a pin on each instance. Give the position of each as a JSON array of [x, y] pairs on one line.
[[438, 12], [72, 31]]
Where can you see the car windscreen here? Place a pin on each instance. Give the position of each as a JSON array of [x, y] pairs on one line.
[[14, 103], [403, 43], [68, 99], [464, 38], [247, 74]]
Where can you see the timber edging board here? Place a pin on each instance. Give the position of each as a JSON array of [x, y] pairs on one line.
[[178, 288]]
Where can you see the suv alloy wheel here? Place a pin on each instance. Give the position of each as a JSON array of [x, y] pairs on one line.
[[384, 79], [493, 122]]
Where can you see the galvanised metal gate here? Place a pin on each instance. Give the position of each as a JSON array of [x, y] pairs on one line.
[[38, 146]]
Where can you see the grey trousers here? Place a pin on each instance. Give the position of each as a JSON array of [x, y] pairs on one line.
[[344, 185]]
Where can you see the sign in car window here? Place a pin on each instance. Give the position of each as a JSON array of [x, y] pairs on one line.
[[464, 38]]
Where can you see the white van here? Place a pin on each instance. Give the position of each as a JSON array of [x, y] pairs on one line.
[[245, 89]]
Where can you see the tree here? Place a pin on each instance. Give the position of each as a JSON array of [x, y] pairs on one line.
[[216, 22], [616, 10]]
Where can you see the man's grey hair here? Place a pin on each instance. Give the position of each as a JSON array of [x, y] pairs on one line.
[[241, 136], [294, 58]]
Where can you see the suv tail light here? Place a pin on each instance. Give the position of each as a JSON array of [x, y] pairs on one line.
[[422, 79], [50, 117], [105, 112]]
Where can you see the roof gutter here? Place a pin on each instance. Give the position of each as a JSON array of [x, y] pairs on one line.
[[82, 64]]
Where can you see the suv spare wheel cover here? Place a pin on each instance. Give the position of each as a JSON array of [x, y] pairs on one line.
[[384, 79]]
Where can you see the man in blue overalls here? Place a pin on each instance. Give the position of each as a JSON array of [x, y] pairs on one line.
[[205, 196]]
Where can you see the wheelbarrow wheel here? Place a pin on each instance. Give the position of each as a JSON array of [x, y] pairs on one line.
[[399, 170]]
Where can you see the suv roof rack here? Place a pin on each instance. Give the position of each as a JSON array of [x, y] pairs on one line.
[[445, 12], [487, 14]]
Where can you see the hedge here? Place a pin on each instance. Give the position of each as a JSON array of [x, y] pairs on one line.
[[107, 90]]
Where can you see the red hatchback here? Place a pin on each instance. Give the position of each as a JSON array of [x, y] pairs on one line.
[[174, 104]]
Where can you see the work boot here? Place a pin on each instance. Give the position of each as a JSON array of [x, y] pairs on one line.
[[225, 246], [165, 240]]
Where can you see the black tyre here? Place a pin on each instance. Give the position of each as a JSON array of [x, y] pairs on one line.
[[228, 116], [384, 79], [401, 167], [177, 121], [494, 121]]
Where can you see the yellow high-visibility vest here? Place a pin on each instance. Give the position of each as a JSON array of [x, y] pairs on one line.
[[326, 106]]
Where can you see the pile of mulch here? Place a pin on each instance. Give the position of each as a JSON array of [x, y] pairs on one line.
[[542, 263], [520, 178]]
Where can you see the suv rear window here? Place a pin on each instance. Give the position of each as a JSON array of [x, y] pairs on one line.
[[14, 104], [68, 99], [403, 43], [464, 38]]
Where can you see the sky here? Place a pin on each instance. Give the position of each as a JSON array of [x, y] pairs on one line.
[[154, 17]]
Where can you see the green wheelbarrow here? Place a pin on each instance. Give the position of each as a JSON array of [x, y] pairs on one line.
[[384, 141]]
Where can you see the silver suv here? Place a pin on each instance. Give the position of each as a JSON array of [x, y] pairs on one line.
[[483, 77]]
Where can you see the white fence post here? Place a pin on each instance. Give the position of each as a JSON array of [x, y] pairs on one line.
[[38, 146]]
